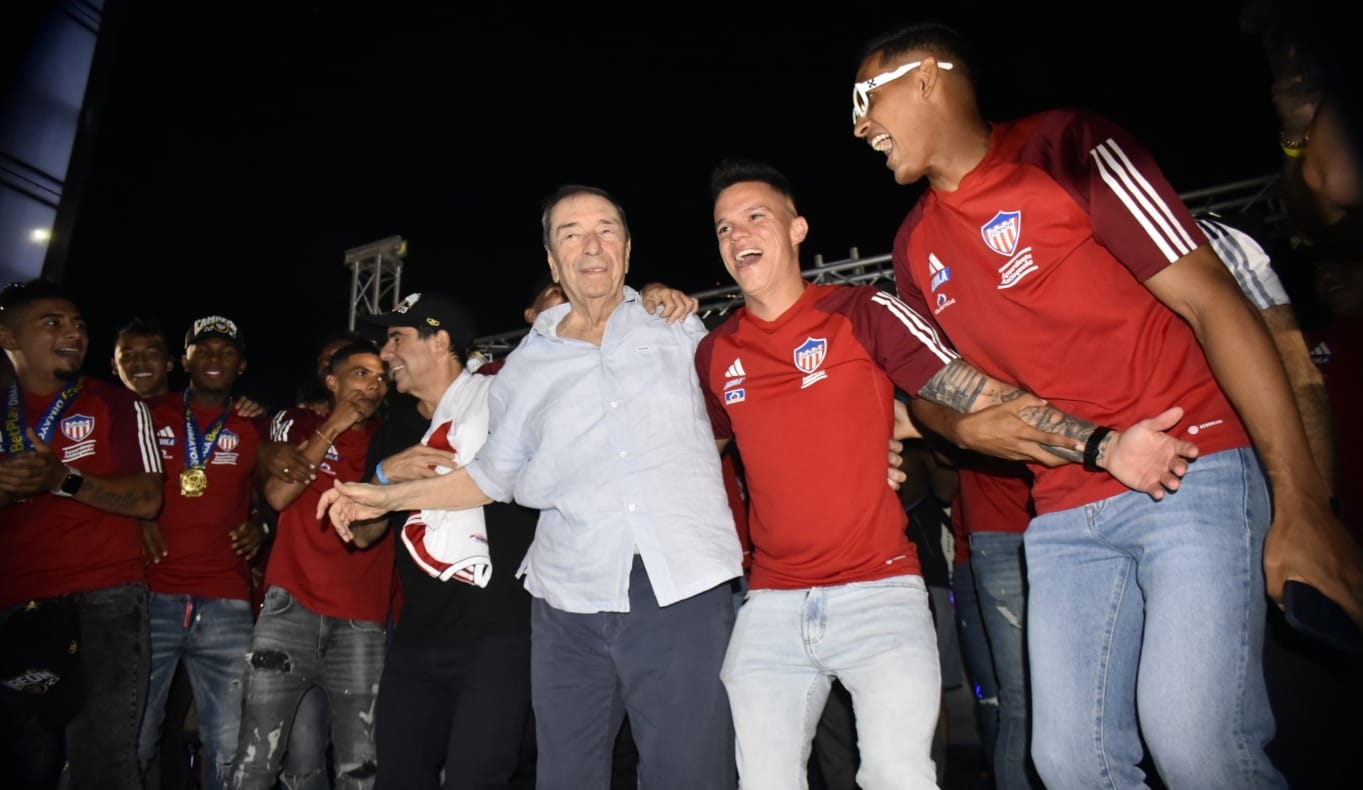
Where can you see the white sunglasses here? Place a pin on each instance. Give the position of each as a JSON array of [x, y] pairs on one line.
[[861, 92]]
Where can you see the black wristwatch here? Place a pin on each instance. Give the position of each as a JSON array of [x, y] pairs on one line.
[[71, 483]]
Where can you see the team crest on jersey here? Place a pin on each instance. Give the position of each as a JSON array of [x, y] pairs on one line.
[[1001, 234], [227, 445], [77, 427], [809, 355], [735, 396]]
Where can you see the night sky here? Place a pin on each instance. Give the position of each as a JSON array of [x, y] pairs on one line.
[[240, 155]]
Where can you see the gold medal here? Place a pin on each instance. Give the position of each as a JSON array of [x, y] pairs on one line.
[[193, 482]]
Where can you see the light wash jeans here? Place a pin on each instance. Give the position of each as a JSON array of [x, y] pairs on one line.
[[1153, 610], [1001, 584], [211, 636], [293, 650], [877, 638]]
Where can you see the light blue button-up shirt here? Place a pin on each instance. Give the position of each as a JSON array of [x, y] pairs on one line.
[[614, 447]]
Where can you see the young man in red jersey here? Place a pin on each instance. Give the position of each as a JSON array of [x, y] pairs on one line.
[[326, 607], [1056, 256], [806, 370], [200, 610], [78, 469]]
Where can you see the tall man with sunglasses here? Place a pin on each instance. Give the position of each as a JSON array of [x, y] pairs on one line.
[[1055, 255]]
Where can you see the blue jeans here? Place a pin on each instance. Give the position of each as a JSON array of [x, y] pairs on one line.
[[1153, 611], [101, 742], [294, 649], [877, 638], [1001, 584], [979, 664], [658, 664], [211, 636]]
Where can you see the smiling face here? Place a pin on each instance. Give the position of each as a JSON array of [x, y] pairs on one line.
[[46, 341], [759, 236], [412, 360], [899, 119], [213, 365], [588, 248], [142, 364]]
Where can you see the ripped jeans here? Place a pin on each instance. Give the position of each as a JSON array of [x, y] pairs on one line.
[[292, 650]]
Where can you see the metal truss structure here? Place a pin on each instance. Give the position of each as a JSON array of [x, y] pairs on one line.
[[375, 277], [1260, 197]]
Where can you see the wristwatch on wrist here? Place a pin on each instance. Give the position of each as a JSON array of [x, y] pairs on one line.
[[71, 483]]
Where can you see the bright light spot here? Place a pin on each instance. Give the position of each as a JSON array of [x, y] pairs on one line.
[[40, 235]]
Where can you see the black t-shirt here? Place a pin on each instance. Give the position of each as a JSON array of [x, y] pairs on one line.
[[451, 612]]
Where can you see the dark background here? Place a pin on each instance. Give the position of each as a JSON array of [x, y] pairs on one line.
[[244, 147]]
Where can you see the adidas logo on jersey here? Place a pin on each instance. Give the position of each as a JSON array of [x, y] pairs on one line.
[[166, 437], [735, 370]]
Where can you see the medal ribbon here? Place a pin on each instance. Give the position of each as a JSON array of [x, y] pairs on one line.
[[199, 446], [13, 441]]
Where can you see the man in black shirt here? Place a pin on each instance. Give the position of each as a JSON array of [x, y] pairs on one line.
[[455, 691]]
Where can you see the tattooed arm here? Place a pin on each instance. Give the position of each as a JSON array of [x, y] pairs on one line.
[[1143, 457]]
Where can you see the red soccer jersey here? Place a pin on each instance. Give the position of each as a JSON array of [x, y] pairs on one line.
[[991, 502], [53, 545], [200, 560], [809, 399], [325, 574], [1033, 267]]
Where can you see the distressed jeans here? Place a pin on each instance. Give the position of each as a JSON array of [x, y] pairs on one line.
[[1001, 586], [294, 649], [877, 638], [211, 637], [1153, 612]]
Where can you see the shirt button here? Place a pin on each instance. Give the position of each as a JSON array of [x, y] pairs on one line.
[[615, 403], [622, 453], [631, 508]]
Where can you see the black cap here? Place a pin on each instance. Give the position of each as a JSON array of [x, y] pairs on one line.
[[214, 326], [430, 311]]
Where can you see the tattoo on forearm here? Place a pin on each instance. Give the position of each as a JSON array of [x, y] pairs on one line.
[[122, 501], [962, 387], [957, 386]]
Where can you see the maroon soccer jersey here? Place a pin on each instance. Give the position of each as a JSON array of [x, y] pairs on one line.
[[200, 560], [1033, 267], [327, 575], [809, 398], [51, 545]]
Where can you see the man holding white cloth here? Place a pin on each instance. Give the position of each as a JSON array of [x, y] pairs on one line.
[[455, 691]]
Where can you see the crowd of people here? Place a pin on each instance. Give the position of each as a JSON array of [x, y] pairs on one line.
[[643, 546]]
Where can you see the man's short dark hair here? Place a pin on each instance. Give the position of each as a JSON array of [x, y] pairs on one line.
[[143, 327], [574, 190], [737, 170], [942, 41], [17, 296], [344, 353]]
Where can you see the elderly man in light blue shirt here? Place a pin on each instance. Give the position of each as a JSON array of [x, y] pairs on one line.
[[598, 421]]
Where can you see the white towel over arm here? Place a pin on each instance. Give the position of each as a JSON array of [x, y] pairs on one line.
[[453, 543]]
